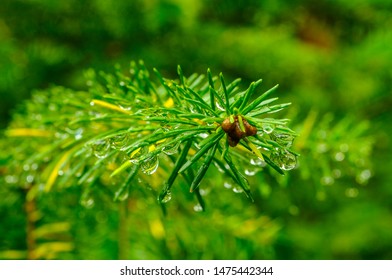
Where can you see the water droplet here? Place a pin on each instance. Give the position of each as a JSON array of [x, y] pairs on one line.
[[204, 192], [11, 179], [34, 166], [327, 180], [122, 84], [29, 178], [238, 190], [26, 167], [122, 194], [339, 156], [203, 135], [285, 160], [125, 107], [283, 139], [268, 128], [60, 172], [120, 141], [171, 149], [167, 197], [251, 172], [219, 106], [86, 200], [288, 161], [257, 162], [227, 185], [218, 167], [150, 165], [351, 192], [101, 148], [92, 103], [364, 176], [198, 208]]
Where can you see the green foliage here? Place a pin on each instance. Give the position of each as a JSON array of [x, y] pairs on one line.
[[124, 124]]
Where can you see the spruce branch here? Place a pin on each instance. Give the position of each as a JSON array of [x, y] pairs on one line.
[[129, 124]]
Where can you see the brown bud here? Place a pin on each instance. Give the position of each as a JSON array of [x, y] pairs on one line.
[[234, 131], [249, 129], [227, 126]]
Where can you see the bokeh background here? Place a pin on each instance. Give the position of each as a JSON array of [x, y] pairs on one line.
[[333, 61]]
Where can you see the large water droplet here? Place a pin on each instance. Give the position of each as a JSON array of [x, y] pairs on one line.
[[288, 161], [198, 208], [171, 149], [167, 197], [283, 139], [120, 141], [149, 166], [101, 148], [227, 185], [285, 160]]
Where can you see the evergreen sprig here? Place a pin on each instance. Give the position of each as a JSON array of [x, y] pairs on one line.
[[126, 123]]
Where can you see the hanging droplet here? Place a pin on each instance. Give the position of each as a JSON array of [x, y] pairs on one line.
[[167, 197], [288, 161], [250, 172], [120, 141], [172, 148], [150, 165], [198, 208], [86, 200], [227, 185], [101, 148], [122, 194], [283, 139], [268, 128], [238, 190], [257, 162]]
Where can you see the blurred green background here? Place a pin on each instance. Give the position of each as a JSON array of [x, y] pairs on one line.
[[333, 61]]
